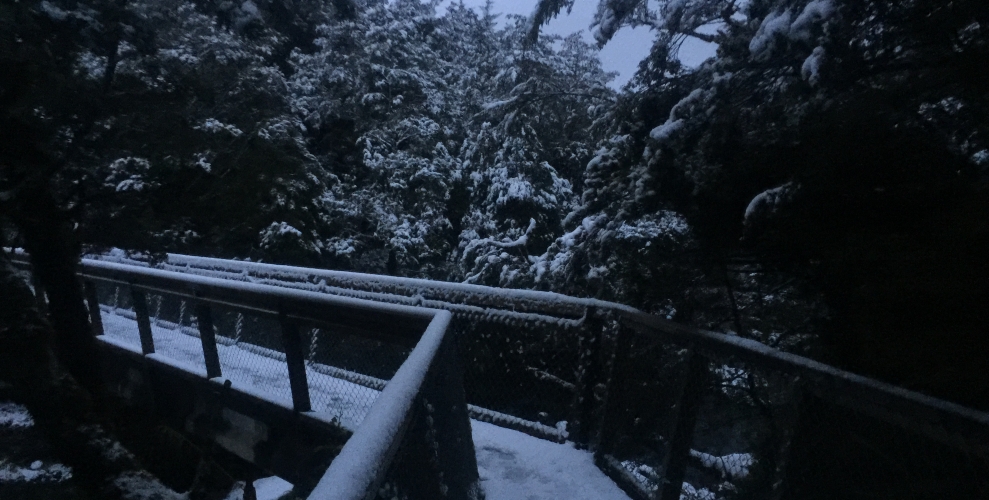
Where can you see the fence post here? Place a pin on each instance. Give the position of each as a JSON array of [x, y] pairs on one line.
[[296, 360], [588, 377], [681, 438], [610, 423], [95, 318], [207, 335], [447, 419], [143, 320]]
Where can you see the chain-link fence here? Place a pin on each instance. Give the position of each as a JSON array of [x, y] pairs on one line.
[[672, 411], [345, 370], [731, 426]]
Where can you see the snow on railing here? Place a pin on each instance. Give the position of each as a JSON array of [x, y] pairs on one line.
[[475, 301], [603, 329], [421, 409]]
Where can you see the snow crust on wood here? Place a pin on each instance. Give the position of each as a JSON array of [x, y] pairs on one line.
[[478, 302], [365, 457], [535, 429], [273, 291]]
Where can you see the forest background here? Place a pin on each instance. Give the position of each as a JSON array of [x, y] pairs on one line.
[[819, 185]]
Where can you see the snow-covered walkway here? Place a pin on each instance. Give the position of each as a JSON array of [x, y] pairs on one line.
[[512, 465]]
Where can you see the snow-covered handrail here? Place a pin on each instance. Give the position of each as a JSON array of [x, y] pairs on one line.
[[495, 304], [422, 408]]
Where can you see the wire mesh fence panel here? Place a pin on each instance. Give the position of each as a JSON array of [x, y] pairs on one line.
[[250, 349], [346, 371], [119, 318], [173, 329], [841, 453], [523, 369], [740, 438], [647, 382]]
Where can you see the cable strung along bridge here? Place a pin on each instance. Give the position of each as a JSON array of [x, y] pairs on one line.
[[386, 373]]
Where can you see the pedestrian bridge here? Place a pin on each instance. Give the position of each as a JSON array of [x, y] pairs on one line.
[[354, 386]]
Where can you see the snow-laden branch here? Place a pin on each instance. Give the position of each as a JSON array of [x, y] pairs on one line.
[[521, 241]]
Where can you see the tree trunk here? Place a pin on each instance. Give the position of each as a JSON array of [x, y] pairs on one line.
[[54, 257]]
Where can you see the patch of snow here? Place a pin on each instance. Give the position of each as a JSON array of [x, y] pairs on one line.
[[140, 485], [775, 24], [37, 472], [981, 158], [814, 13], [515, 466], [733, 465], [769, 200], [690, 493], [14, 415], [251, 368], [811, 69], [663, 132], [267, 488], [214, 126]]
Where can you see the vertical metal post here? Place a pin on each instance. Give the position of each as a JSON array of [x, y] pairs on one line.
[[95, 318], [294, 357], [447, 416], [143, 320], [204, 317], [675, 463], [588, 377]]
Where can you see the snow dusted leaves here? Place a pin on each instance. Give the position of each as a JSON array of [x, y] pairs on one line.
[[128, 174], [768, 201], [777, 26], [13, 415], [688, 106], [36, 472], [663, 225], [214, 126], [811, 69], [774, 26]]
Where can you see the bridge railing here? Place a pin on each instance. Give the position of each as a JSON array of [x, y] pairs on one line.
[[671, 410], [414, 439]]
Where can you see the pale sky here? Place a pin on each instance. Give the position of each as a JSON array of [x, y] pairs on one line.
[[622, 54]]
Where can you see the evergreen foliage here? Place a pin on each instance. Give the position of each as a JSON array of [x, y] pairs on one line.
[[824, 174]]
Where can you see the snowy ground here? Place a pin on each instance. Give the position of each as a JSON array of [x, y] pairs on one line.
[[512, 465], [516, 466]]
